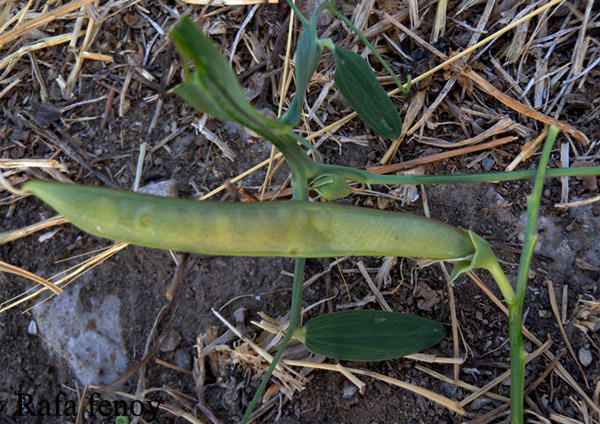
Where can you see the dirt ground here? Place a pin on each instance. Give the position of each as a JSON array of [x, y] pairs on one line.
[[89, 125]]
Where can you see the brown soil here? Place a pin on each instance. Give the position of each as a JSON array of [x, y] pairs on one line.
[[33, 127]]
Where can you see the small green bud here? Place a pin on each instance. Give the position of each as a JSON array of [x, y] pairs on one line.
[[331, 186]]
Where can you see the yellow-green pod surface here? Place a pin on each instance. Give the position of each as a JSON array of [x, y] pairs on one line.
[[290, 229]]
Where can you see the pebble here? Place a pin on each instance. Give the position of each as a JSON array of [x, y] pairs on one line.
[[240, 315], [172, 341], [167, 188], [349, 391], [487, 163], [585, 356], [183, 359], [480, 403]]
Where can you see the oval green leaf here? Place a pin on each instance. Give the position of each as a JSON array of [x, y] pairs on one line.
[[366, 335], [357, 83]]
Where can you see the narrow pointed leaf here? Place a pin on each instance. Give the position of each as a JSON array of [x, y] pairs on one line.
[[210, 64], [308, 53], [367, 335], [357, 83], [215, 89], [193, 93]]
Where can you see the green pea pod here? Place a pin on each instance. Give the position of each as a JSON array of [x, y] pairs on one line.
[[288, 229], [367, 335], [355, 80]]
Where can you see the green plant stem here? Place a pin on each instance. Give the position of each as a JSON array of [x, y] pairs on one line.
[[401, 87], [500, 278], [299, 14], [515, 308], [287, 143], [294, 324], [300, 187], [370, 178]]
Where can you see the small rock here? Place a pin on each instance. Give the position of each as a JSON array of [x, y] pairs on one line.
[[585, 356], [349, 391], [480, 403], [240, 315], [183, 359], [45, 115], [448, 389], [86, 332], [501, 202], [167, 188], [487, 163], [172, 341]]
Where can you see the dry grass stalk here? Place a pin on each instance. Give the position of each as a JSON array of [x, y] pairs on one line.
[[229, 2], [11, 60], [361, 14], [528, 150], [448, 403], [439, 25], [13, 235], [173, 367], [8, 163], [540, 350], [384, 305], [560, 369], [69, 276], [11, 269], [386, 169], [554, 306], [353, 379], [578, 203], [431, 359], [42, 20], [415, 106], [461, 384]]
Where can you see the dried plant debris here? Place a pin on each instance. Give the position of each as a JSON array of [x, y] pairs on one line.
[[587, 316]]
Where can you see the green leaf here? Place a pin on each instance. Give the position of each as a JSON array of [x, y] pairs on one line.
[[366, 335], [214, 88], [357, 83], [211, 65], [193, 93], [308, 53]]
